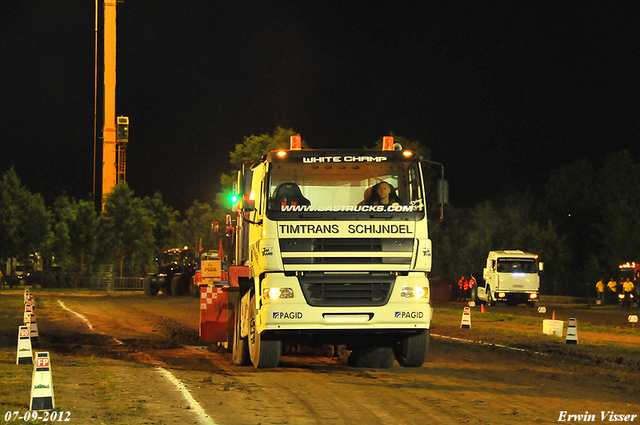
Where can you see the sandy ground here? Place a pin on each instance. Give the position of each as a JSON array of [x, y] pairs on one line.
[[110, 368]]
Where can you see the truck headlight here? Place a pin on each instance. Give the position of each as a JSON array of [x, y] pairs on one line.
[[414, 292], [276, 293], [501, 295], [533, 296]]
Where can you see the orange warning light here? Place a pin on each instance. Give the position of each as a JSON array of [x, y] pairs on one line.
[[295, 142], [387, 143]]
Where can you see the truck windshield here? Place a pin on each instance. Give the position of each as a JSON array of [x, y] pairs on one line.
[[517, 265], [341, 187], [172, 257]]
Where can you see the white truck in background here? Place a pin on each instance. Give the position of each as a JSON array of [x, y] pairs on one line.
[[510, 276]]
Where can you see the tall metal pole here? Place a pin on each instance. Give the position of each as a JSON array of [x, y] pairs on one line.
[[109, 168], [95, 101]]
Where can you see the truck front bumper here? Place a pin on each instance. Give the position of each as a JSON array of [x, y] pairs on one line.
[[520, 297], [295, 314]]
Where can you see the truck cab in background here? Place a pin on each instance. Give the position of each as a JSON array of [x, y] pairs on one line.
[[510, 276], [175, 273]]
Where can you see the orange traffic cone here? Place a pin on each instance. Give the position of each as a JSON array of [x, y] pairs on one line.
[[554, 316], [481, 308]]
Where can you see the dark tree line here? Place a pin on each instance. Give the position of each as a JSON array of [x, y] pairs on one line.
[[585, 224], [74, 239]]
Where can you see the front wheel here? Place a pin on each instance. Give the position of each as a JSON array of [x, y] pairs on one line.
[[490, 300], [150, 289], [263, 351], [412, 350], [474, 294]]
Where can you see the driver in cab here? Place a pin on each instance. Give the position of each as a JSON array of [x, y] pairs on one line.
[[384, 193]]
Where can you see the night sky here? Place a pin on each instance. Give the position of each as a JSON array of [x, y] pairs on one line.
[[500, 92]]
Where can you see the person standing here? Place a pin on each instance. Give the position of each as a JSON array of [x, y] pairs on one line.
[[600, 289], [612, 285], [627, 289], [463, 285]]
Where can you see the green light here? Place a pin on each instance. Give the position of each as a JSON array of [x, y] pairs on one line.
[[233, 199]]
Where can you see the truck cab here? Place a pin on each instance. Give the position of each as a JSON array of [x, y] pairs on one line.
[[510, 276], [334, 248]]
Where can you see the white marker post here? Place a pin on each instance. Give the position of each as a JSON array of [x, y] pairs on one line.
[[572, 332], [42, 384], [466, 318], [24, 355], [33, 325]]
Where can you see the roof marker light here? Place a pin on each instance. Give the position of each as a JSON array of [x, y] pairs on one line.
[[387, 143], [281, 154], [295, 141]]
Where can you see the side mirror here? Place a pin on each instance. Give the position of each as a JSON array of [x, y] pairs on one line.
[[540, 266], [248, 206], [229, 226]]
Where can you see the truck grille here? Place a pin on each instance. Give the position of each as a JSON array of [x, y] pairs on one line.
[[327, 251], [347, 244], [346, 289]]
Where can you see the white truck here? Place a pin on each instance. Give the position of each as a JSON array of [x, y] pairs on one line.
[[324, 255], [511, 276]]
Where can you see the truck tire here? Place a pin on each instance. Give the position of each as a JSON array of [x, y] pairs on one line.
[[490, 300], [177, 285], [371, 357], [412, 350], [240, 347], [150, 289], [264, 352]]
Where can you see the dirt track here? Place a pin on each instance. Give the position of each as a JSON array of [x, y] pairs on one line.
[[113, 373]]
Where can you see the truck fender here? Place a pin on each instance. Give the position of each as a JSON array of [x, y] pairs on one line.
[[245, 314], [257, 289]]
